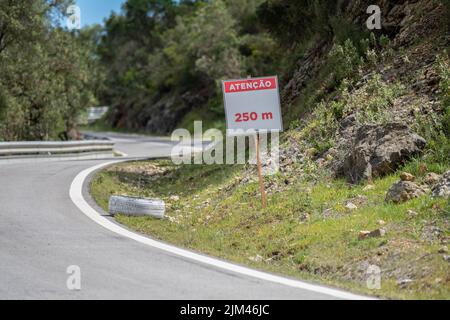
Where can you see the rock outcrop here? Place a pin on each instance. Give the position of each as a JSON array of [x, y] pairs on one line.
[[442, 188], [403, 191], [378, 150]]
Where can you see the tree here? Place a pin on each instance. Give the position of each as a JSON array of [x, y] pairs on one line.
[[46, 72], [297, 20]]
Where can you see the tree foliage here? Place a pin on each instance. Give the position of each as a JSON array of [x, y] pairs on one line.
[[157, 75], [294, 21], [46, 72], [157, 63]]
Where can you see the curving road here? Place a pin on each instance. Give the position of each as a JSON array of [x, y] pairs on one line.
[[42, 232]]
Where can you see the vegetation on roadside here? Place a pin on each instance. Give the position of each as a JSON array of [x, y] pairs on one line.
[[313, 221], [48, 75], [159, 64], [166, 60], [306, 230]]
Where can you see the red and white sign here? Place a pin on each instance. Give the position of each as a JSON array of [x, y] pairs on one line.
[[252, 104]]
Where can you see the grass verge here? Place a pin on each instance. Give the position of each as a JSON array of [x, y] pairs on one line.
[[305, 232]]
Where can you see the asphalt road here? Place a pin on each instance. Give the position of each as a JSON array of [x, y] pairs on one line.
[[42, 232]]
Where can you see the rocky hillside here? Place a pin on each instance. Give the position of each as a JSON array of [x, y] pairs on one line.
[[367, 113], [163, 71], [364, 179]]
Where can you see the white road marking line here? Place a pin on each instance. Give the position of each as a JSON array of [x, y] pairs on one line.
[[76, 194]]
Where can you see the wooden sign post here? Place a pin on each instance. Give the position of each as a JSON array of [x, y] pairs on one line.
[[260, 174]]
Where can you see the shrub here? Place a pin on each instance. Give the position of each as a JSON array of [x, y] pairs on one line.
[[344, 60]]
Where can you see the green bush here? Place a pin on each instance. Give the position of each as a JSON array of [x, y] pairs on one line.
[[344, 60]]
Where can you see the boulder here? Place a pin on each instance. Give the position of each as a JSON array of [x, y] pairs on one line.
[[443, 249], [378, 150], [442, 188], [403, 191]]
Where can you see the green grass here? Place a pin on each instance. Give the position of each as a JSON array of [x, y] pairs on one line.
[[221, 215], [306, 230]]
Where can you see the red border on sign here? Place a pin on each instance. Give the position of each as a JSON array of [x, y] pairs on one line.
[[250, 85]]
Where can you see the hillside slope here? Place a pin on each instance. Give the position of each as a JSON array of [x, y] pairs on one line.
[[364, 179], [401, 76]]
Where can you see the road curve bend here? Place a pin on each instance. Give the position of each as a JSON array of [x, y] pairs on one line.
[[43, 232]]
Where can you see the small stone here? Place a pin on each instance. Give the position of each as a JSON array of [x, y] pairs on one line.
[[405, 176], [174, 198], [369, 187], [371, 234], [381, 222], [443, 249], [351, 206], [304, 216], [276, 255], [411, 213], [363, 234], [377, 233], [404, 282], [256, 258], [431, 178], [446, 258], [173, 220]]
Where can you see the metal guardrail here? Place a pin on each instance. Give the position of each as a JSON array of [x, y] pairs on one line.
[[31, 149], [96, 113]]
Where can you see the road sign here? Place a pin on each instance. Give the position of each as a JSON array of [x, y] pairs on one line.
[[252, 104]]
